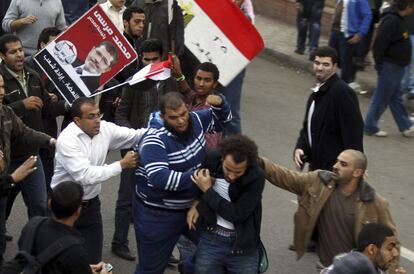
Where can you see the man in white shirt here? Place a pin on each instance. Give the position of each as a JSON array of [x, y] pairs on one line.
[[80, 157], [114, 10]]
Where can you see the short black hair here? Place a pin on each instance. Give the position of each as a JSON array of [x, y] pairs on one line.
[[402, 4], [327, 52], [127, 15], [172, 100], [112, 50], [209, 67], [241, 148], [151, 45], [7, 38], [373, 233], [75, 110], [45, 35], [65, 199]]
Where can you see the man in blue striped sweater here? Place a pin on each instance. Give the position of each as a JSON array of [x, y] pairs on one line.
[[164, 191]]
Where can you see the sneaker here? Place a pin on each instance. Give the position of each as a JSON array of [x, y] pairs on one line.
[[299, 51], [410, 96], [355, 86], [408, 132], [312, 54], [172, 261], [380, 133]]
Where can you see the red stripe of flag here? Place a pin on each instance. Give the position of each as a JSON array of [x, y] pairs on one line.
[[235, 25]]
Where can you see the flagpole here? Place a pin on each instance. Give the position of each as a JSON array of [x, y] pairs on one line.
[[105, 90]]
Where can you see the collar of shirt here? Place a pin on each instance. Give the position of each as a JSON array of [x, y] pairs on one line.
[[78, 131], [317, 87], [112, 8], [23, 82]]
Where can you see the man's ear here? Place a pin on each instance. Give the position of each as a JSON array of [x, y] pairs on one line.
[[215, 84], [358, 173], [49, 204], [371, 250], [77, 120], [2, 56], [78, 212]]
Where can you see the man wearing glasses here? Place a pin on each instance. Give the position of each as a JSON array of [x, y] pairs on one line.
[[80, 157]]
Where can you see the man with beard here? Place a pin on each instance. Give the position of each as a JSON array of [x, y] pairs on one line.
[[136, 104], [378, 251], [332, 205], [164, 191], [333, 120]]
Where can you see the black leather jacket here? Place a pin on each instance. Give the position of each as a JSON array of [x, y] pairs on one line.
[[244, 210]]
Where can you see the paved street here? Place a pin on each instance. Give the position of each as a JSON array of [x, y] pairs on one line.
[[273, 106]]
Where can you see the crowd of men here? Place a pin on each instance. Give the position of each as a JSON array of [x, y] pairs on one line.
[[188, 177]]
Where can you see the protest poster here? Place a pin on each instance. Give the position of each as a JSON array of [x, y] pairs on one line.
[[86, 56], [217, 31]]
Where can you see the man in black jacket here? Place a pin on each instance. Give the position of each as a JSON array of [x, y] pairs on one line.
[[392, 53], [333, 120], [230, 208], [25, 94], [12, 130]]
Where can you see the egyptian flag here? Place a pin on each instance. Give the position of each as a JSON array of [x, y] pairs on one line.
[[217, 31], [146, 77], [157, 72]]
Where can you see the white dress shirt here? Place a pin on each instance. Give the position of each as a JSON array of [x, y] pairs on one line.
[[80, 158], [114, 15]]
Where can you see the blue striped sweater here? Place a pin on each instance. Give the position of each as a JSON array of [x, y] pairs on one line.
[[167, 163]]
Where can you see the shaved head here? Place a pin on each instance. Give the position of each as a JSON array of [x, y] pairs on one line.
[[359, 159]]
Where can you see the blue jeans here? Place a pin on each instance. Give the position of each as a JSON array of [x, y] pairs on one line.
[[33, 189], [309, 17], [387, 93], [213, 255], [157, 231], [346, 54], [232, 92], [407, 82]]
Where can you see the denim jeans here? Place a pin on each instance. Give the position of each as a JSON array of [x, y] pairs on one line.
[[232, 92], [346, 54], [407, 82], [213, 255], [387, 93], [33, 189], [157, 231], [309, 17]]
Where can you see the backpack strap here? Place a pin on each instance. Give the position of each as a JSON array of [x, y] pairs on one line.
[[31, 229], [57, 248]]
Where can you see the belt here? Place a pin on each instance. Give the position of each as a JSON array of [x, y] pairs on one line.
[[87, 203], [221, 231]]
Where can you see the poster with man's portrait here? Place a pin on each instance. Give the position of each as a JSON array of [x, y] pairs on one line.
[[86, 56]]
